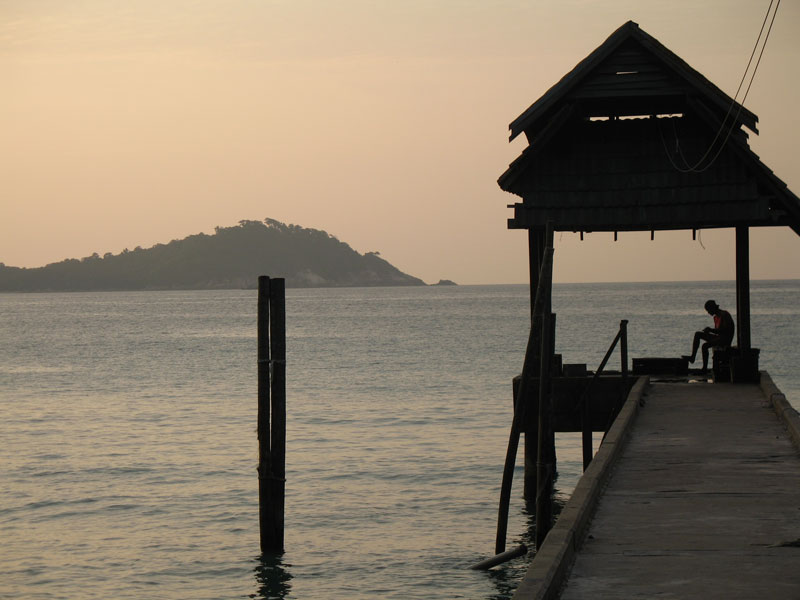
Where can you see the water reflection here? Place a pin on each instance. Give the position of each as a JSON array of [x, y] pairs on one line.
[[272, 578]]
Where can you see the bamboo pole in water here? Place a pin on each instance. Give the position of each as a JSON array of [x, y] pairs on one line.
[[498, 559], [278, 391], [263, 428], [271, 412]]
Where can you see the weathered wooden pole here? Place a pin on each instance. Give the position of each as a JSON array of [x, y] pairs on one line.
[[264, 463], [544, 464], [277, 316], [497, 559], [271, 412]]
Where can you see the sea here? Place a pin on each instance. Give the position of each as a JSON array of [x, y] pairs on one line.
[[128, 449]]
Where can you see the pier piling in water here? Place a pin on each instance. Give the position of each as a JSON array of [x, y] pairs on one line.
[[271, 411]]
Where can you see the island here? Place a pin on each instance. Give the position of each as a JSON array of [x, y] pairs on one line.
[[230, 258]]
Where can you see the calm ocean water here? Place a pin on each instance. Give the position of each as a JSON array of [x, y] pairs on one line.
[[128, 454]]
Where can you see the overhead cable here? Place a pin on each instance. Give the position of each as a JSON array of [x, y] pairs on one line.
[[695, 168]]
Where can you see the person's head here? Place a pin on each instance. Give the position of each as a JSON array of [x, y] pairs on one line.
[[711, 307]]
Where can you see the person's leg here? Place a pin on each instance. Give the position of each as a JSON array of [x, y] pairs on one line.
[[706, 346], [698, 335], [712, 340]]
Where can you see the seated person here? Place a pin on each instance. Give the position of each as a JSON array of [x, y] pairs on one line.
[[719, 335]]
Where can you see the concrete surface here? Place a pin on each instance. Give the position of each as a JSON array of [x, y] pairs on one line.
[[704, 502], [546, 573]]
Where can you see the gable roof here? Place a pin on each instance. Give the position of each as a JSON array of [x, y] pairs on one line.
[[584, 173], [630, 64]]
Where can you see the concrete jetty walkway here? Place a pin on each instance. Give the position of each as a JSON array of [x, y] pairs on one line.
[[701, 501]]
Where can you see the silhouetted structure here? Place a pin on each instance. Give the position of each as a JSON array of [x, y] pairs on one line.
[[634, 139]]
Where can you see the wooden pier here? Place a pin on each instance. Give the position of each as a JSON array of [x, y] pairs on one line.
[[705, 500], [695, 493]]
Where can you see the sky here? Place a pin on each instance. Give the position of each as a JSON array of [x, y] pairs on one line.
[[385, 123]]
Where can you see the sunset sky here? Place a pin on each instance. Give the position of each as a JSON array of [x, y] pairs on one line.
[[126, 124]]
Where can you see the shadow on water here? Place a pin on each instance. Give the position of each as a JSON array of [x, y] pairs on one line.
[[272, 578]]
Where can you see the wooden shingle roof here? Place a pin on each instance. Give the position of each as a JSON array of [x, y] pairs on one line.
[[635, 71]]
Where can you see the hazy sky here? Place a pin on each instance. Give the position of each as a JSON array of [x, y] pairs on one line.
[[383, 122]]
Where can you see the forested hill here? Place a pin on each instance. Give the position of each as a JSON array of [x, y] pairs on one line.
[[233, 257]]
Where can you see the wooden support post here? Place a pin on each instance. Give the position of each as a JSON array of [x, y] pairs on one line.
[[536, 242], [743, 287], [545, 461], [531, 431], [587, 440], [550, 442], [271, 412], [544, 468]]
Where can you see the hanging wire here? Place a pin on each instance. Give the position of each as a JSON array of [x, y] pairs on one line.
[[746, 92], [694, 168]]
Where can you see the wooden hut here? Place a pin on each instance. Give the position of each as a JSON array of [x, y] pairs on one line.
[[634, 139]]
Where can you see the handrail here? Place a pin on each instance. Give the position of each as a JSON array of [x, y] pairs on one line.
[[586, 425]]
